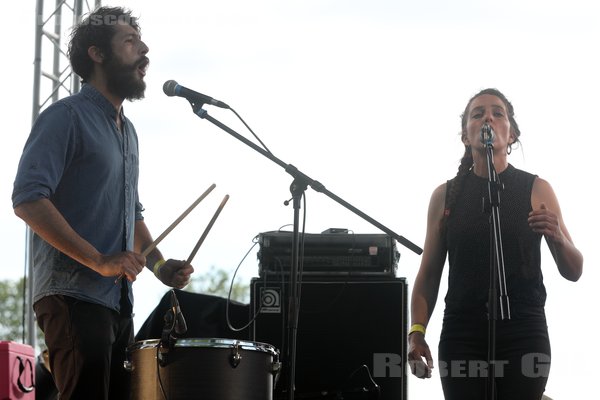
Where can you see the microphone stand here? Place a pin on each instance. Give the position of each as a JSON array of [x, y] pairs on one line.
[[297, 188], [497, 271]]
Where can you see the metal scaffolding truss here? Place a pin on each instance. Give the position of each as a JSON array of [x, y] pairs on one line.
[[52, 80], [52, 26]]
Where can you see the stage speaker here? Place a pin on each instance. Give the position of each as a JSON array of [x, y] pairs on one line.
[[351, 336]]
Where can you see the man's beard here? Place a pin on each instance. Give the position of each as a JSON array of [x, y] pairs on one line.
[[122, 79]]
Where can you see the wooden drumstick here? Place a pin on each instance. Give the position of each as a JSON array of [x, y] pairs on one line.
[[153, 245], [149, 249], [208, 227]]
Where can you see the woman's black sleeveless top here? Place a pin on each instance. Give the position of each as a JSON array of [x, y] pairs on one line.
[[468, 243]]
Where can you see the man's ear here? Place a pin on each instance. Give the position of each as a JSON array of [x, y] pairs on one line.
[[96, 54]]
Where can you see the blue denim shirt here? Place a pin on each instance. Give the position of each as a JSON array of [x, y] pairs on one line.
[[76, 157]]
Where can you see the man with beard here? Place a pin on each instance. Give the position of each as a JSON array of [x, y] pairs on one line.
[[77, 188]]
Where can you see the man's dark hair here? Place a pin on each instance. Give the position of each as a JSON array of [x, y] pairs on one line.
[[97, 29]]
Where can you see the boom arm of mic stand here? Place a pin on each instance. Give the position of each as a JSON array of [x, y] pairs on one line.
[[317, 186]]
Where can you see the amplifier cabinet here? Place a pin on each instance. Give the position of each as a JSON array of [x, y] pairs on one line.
[[343, 254], [351, 335]]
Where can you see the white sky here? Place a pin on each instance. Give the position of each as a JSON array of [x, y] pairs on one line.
[[364, 97]]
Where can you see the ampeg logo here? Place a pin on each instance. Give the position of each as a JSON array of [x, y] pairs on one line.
[[270, 300]]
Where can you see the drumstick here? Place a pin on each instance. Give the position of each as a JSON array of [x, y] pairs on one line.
[[173, 225], [208, 227], [177, 221]]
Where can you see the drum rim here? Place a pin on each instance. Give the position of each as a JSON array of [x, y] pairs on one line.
[[219, 343]]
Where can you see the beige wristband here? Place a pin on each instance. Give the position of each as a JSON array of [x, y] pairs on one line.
[[417, 328], [157, 267]]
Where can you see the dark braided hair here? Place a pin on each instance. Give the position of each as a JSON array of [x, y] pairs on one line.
[[466, 162]]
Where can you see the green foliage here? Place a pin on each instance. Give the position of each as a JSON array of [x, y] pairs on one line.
[[217, 282], [11, 311]]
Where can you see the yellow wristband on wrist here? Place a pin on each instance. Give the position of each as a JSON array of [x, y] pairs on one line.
[[417, 328], [157, 267]]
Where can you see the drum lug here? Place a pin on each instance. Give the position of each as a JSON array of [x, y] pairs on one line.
[[235, 357], [128, 365], [275, 368]]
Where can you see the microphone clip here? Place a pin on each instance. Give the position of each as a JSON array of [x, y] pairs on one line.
[[174, 327], [487, 135]]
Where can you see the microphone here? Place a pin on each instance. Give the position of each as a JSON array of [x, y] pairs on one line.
[[180, 325], [486, 135], [172, 88]]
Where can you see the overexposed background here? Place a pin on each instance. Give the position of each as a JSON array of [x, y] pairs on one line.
[[364, 97]]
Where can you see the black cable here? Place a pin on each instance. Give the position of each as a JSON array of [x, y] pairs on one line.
[[251, 131], [229, 324], [160, 383]]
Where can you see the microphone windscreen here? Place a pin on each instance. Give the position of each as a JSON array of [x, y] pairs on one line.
[[169, 87]]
